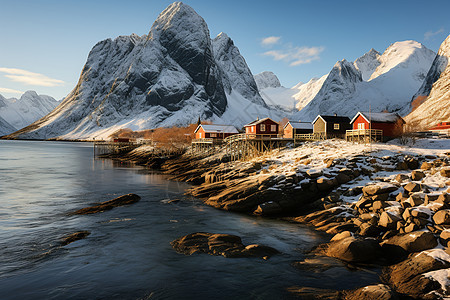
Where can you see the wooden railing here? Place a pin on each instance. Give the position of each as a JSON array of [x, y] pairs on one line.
[[245, 136], [310, 136], [203, 141], [373, 134]]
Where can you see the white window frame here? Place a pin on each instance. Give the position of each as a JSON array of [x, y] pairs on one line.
[[361, 126], [336, 126], [200, 134], [253, 128], [273, 128], [262, 127], [213, 134]]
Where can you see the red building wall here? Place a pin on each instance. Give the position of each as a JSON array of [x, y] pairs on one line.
[[267, 130], [389, 129]]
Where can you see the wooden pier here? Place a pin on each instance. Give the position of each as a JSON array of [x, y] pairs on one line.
[[105, 148], [241, 146]]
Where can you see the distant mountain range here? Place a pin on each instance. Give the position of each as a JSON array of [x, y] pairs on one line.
[[177, 73], [18, 113], [374, 82]]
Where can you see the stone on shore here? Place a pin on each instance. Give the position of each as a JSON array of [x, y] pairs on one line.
[[355, 250], [226, 245], [378, 188], [415, 241], [107, 205], [410, 277], [74, 237], [371, 292]]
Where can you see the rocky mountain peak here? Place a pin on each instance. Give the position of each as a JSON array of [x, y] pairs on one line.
[[368, 63], [267, 79]]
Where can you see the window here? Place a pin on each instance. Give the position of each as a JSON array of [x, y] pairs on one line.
[[213, 135], [336, 126], [262, 127], [273, 128], [253, 128], [200, 134], [361, 126]]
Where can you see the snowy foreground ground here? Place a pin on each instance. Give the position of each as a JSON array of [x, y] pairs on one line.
[[314, 158]]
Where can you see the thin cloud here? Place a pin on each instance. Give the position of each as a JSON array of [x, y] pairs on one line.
[[10, 91], [296, 56], [270, 40], [31, 78], [429, 34]]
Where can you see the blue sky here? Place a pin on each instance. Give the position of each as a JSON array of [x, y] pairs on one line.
[[45, 43]]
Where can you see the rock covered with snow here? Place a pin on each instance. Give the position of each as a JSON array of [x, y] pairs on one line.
[[432, 97], [21, 112], [267, 79], [368, 63], [235, 73]]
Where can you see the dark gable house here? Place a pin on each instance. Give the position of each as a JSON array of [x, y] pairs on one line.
[[328, 127]]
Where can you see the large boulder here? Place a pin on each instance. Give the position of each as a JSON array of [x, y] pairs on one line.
[[411, 242], [371, 292], [417, 175], [226, 245], [355, 250], [378, 188], [388, 220], [407, 277], [442, 217]]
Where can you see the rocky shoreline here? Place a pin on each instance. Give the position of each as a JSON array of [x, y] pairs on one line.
[[385, 207]]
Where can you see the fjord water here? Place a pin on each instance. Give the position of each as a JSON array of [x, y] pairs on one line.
[[128, 254]]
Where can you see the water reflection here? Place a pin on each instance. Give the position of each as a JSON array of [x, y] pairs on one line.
[[128, 253]]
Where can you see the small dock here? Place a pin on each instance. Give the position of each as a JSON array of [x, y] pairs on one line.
[[243, 145], [106, 148]]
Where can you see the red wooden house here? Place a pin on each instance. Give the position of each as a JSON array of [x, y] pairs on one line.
[[264, 127], [388, 125], [206, 131]]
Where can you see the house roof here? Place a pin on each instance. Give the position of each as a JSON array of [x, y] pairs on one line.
[[259, 121], [299, 125], [378, 117], [217, 128], [333, 119]]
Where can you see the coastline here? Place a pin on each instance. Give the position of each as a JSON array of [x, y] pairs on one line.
[[351, 197]]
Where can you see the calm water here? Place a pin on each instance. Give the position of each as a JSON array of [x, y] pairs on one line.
[[128, 255]]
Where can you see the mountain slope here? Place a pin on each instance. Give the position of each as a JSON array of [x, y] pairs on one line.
[[24, 111], [172, 76], [5, 127], [288, 99], [435, 93], [399, 73], [368, 63]]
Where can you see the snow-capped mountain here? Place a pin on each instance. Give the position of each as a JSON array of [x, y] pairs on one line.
[[266, 80], [368, 63], [172, 76], [19, 113], [5, 127], [400, 72], [288, 99], [433, 98]]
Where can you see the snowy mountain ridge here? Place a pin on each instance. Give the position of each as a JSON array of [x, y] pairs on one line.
[[432, 99], [399, 73], [170, 77], [18, 113]]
